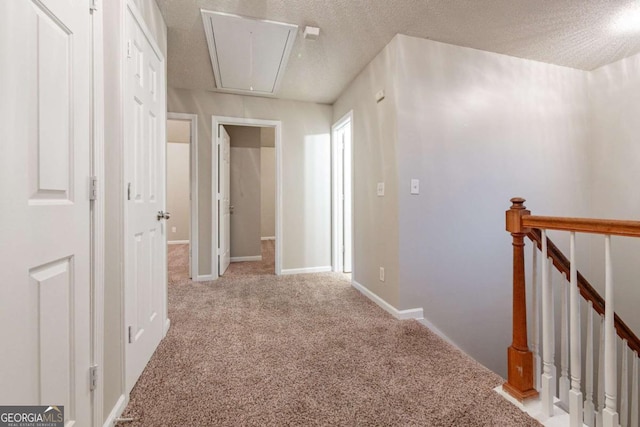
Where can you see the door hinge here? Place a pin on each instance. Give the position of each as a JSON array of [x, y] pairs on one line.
[[93, 377], [130, 334], [93, 188], [129, 49], [219, 196], [129, 191], [93, 5]]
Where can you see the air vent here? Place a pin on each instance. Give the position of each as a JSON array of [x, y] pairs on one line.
[[248, 55]]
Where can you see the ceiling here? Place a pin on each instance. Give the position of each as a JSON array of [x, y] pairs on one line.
[[575, 33]]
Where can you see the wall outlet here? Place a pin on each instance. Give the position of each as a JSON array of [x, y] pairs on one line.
[[173, 229], [382, 274], [381, 189]]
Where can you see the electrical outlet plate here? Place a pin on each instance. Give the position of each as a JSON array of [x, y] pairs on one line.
[[381, 189], [415, 186], [382, 274]]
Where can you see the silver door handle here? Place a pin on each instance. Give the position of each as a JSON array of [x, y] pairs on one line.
[[163, 214]]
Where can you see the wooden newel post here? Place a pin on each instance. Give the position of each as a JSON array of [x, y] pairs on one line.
[[520, 360]]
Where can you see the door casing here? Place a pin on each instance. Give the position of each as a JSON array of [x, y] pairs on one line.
[[216, 121]]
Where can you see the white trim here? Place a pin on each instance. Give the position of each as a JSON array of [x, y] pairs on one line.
[[438, 332], [177, 242], [223, 120], [306, 270], [246, 258], [98, 211], [337, 260], [204, 278], [193, 188], [167, 325], [115, 413], [411, 313], [268, 238]]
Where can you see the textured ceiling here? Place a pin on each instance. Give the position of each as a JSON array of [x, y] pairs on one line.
[[574, 33]]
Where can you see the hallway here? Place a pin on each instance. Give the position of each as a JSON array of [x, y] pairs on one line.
[[257, 349]]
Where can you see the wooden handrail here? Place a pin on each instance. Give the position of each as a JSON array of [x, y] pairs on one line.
[[588, 292], [613, 227], [520, 223]]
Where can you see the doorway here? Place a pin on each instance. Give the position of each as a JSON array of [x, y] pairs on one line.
[[342, 194], [247, 218], [182, 200]]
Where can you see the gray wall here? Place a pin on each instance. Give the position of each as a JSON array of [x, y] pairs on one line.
[[178, 202], [615, 171], [245, 191], [306, 169], [476, 128], [114, 189], [375, 227], [267, 192]]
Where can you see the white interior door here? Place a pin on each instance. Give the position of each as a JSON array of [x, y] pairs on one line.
[[347, 234], [145, 175], [45, 299], [224, 200]]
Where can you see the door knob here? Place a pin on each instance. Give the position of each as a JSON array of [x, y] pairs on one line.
[[162, 214]]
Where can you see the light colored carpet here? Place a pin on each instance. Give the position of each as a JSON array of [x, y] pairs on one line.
[[305, 350]]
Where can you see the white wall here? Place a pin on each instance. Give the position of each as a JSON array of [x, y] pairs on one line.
[[375, 224], [178, 188], [305, 172], [615, 171], [114, 189], [245, 191], [267, 191]]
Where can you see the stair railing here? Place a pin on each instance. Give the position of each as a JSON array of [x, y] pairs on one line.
[[533, 372]]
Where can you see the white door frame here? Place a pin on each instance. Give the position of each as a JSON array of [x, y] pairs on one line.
[[337, 210], [193, 188], [216, 121], [97, 210]]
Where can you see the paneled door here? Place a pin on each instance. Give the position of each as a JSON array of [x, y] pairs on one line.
[[224, 200], [45, 294], [145, 220]]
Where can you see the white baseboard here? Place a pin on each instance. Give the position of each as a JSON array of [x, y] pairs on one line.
[[307, 270], [115, 413], [205, 278], [439, 333], [177, 242], [412, 313], [268, 238], [246, 258]]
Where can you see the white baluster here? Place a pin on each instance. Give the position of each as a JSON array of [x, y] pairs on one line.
[[552, 320], [589, 408], [635, 393], [600, 375], [548, 388], [575, 395], [535, 321], [624, 386], [609, 416], [564, 385]]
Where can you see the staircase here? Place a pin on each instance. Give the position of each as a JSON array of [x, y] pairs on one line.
[[609, 394]]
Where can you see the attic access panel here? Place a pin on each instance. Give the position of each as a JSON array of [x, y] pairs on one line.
[[249, 56]]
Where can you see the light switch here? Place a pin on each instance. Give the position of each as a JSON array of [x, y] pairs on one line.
[[381, 189], [173, 229], [415, 186]]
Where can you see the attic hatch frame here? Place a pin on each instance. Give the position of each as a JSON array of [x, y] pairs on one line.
[[213, 54]]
